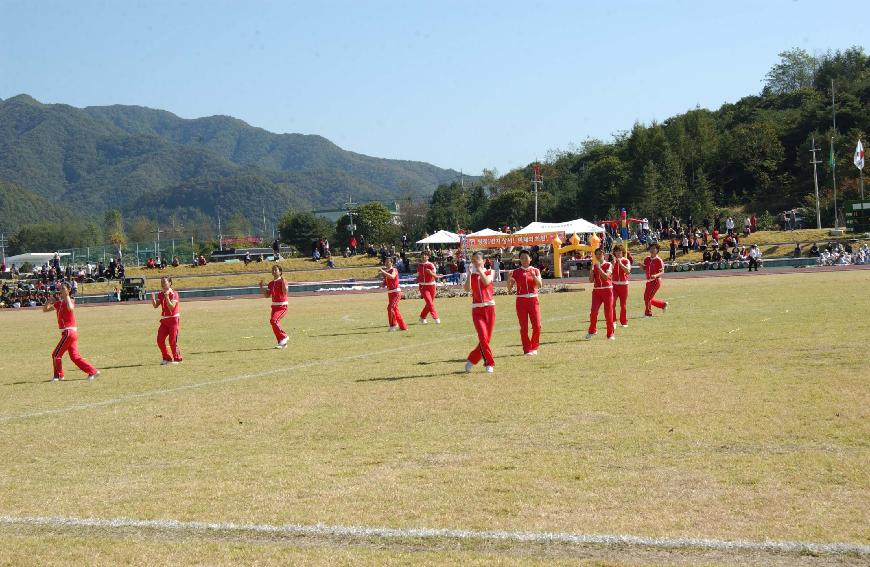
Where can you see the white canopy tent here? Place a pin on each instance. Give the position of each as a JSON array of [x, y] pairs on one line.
[[441, 237], [487, 232], [578, 226], [34, 258]]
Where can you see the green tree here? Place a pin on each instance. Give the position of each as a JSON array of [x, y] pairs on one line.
[[301, 228], [113, 227], [795, 70], [509, 208], [238, 225], [141, 229], [448, 208], [375, 222]]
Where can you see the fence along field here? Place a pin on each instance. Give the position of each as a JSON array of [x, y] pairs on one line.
[[736, 416]]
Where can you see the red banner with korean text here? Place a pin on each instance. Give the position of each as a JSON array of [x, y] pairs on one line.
[[508, 240]]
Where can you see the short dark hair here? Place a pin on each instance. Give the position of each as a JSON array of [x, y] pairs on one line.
[[280, 269], [526, 252], [653, 245]]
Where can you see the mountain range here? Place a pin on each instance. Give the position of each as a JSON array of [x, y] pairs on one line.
[[151, 162]]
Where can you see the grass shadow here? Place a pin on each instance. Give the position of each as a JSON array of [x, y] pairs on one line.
[[369, 332], [222, 352], [427, 362], [397, 378]]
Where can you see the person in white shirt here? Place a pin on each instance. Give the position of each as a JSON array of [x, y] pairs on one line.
[[729, 225], [754, 255]]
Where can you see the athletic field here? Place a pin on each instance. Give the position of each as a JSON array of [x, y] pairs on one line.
[[740, 416]]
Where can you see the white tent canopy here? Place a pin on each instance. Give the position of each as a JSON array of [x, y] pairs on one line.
[[35, 258], [441, 237], [578, 226], [487, 232]]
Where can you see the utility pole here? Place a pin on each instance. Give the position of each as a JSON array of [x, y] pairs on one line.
[[350, 206], [264, 223], [158, 231], [833, 157], [220, 236], [537, 179], [815, 163], [3, 246]]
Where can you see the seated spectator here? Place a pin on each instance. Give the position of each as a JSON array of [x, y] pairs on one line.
[[260, 258], [716, 257], [329, 262], [814, 251], [247, 259], [175, 262], [707, 258], [315, 255], [797, 250]]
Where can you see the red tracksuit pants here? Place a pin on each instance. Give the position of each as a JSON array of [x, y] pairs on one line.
[[484, 323], [601, 298], [427, 292], [278, 312], [528, 309], [169, 330], [649, 296], [393, 315], [620, 294], [69, 342]]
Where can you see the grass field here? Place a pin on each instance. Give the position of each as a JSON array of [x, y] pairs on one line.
[[740, 414]]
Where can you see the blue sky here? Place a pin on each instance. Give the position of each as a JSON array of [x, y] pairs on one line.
[[465, 85]]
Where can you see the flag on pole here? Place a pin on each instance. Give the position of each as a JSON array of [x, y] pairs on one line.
[[831, 156], [859, 156]]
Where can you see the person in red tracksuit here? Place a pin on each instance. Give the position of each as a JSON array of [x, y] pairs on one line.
[[479, 283], [426, 277], [69, 336], [654, 268], [167, 300], [394, 293], [277, 291], [602, 294], [621, 273], [527, 280]]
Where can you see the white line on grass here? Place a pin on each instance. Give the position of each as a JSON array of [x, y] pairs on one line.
[[363, 532], [164, 391]]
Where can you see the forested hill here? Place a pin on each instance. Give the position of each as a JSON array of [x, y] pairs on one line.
[[753, 154], [100, 158], [19, 207]]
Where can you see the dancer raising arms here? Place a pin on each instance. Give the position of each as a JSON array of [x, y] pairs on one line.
[[654, 267], [394, 294], [479, 283], [527, 280], [170, 322], [69, 336], [602, 294], [621, 273], [277, 290], [426, 277]]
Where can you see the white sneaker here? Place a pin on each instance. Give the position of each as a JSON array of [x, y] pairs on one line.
[[665, 308], [424, 322], [165, 362], [94, 375], [534, 352], [468, 366], [174, 362], [283, 342], [611, 338], [530, 353], [647, 316], [393, 329], [624, 326], [490, 369], [55, 379], [437, 321], [589, 336]]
